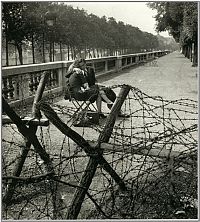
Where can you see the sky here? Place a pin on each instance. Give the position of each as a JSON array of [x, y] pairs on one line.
[[137, 14]]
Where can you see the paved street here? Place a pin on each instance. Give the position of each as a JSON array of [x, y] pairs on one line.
[[171, 76]]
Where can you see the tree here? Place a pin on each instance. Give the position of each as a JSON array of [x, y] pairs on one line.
[[190, 30], [21, 22], [180, 19], [33, 17], [25, 23], [13, 26]]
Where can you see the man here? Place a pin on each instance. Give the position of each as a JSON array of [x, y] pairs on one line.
[[96, 92]]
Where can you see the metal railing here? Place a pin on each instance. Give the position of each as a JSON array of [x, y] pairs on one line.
[[19, 83]]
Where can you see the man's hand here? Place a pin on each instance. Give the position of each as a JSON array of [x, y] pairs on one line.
[[86, 86], [77, 70]]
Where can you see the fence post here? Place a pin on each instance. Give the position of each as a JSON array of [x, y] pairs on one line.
[[137, 59], [119, 63], [24, 86], [106, 65], [61, 77]]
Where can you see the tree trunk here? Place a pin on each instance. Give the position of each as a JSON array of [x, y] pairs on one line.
[[33, 49], [15, 55], [68, 54], [7, 59], [188, 51], [195, 56], [53, 51], [90, 56], [85, 52], [61, 57], [71, 52], [185, 50], [19, 49], [74, 52], [94, 56], [43, 47], [50, 52], [191, 48]]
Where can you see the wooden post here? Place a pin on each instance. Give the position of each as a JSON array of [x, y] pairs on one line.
[[38, 95], [79, 194], [108, 128]]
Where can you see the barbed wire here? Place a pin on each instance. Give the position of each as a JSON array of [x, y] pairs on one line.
[[154, 151]]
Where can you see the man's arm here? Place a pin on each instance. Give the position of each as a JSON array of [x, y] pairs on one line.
[[91, 76], [69, 71]]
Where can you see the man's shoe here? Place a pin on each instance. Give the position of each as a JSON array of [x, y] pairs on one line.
[[102, 116], [84, 122]]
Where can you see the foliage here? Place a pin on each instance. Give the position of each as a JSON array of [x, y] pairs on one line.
[[25, 22], [181, 20], [190, 21]]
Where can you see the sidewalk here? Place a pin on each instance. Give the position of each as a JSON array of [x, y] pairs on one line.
[[171, 76]]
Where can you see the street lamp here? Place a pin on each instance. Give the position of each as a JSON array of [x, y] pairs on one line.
[[50, 20]]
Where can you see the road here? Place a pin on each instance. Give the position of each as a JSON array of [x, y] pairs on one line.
[[171, 76]]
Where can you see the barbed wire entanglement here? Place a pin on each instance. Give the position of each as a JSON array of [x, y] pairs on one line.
[[154, 152]]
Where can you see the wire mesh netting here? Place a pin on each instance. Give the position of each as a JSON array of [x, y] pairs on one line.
[[154, 151]]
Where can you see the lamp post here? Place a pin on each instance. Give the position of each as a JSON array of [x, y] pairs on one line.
[[50, 20]]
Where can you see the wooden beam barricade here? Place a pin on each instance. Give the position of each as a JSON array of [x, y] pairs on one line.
[[38, 95], [33, 123], [147, 151], [108, 128], [94, 152], [29, 134], [18, 168], [31, 138], [78, 139], [91, 167], [27, 120]]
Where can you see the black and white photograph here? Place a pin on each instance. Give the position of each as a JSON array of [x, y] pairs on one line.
[[99, 110]]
